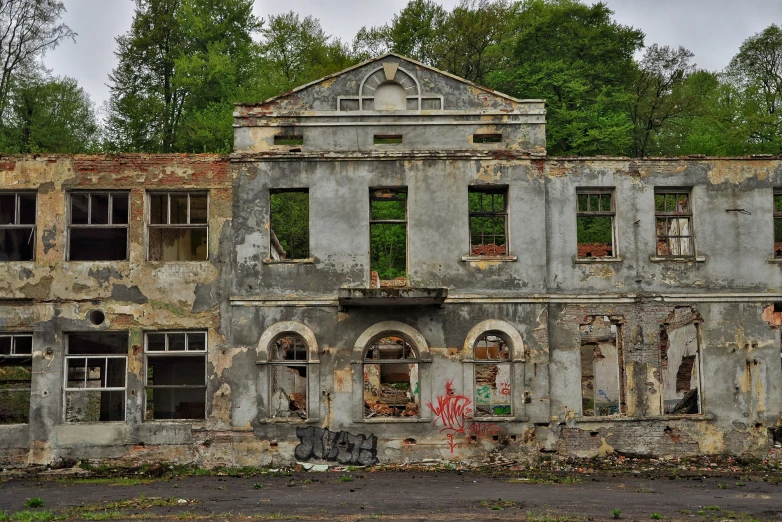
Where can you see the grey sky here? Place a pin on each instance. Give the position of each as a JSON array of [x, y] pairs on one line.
[[712, 29]]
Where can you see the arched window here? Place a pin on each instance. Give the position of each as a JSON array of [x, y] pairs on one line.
[[493, 375], [288, 381], [391, 382]]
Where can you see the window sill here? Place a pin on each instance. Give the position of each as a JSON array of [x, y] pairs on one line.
[[499, 419], [306, 261], [774, 260], [174, 421], [689, 417], [393, 420], [690, 259], [500, 259], [288, 421], [590, 260]]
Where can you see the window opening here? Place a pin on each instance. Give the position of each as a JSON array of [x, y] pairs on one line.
[[390, 378], [289, 377], [680, 363], [16, 356], [290, 224], [673, 215], [17, 226], [289, 139], [95, 377], [493, 382], [177, 225], [488, 215], [602, 368], [388, 139], [487, 138], [176, 375], [388, 237], [595, 224], [98, 228], [778, 223]]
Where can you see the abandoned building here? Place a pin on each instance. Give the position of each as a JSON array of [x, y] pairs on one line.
[[388, 268]]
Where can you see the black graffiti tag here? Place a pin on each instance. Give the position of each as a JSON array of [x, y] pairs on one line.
[[341, 446]]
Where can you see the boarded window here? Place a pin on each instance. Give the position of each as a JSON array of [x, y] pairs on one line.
[[289, 373], [493, 382], [388, 237], [290, 225], [17, 226], [680, 363], [595, 224], [15, 378], [602, 368], [390, 378], [673, 216], [176, 375], [488, 209], [98, 228], [95, 377], [177, 226]]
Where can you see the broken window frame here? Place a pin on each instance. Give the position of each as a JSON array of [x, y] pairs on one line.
[[177, 226], [404, 360], [395, 194], [697, 364], [489, 361], [274, 242], [16, 225], [97, 356], [274, 363], [110, 218], [618, 323], [167, 352], [15, 359], [497, 214], [777, 222], [590, 213], [686, 215]]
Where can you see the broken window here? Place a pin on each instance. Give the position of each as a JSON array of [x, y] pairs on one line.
[[98, 227], [487, 138], [288, 367], [673, 216], [290, 224], [16, 356], [595, 223], [177, 226], [488, 214], [388, 237], [95, 377], [492, 376], [17, 226], [680, 362], [176, 375], [390, 378], [778, 223], [602, 367]]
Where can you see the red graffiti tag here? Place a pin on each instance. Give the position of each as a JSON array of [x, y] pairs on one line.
[[451, 443], [484, 430], [450, 410], [504, 388]]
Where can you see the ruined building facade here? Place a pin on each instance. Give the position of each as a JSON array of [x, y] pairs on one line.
[[388, 268]]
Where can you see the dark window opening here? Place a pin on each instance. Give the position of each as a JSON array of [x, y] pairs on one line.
[[487, 138], [388, 237], [673, 217], [177, 227], [15, 378], [388, 139], [602, 368], [488, 216], [95, 377], [98, 229], [289, 381], [778, 223], [595, 224], [680, 363], [176, 375], [17, 226], [290, 225], [390, 378], [289, 139], [493, 380]]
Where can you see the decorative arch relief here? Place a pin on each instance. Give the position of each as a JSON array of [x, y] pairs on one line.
[[389, 88]]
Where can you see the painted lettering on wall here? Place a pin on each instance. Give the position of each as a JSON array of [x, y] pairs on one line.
[[450, 410], [484, 430], [340, 446]]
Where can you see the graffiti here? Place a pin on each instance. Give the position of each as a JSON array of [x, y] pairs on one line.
[[450, 410], [369, 386], [483, 395], [483, 430], [451, 443], [340, 446], [500, 409], [505, 388]]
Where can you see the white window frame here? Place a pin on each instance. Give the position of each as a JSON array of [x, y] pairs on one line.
[[13, 357], [491, 361], [105, 358], [169, 225]]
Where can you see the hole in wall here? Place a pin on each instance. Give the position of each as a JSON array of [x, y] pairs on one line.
[[513, 437], [96, 317], [409, 441], [778, 307], [594, 433]]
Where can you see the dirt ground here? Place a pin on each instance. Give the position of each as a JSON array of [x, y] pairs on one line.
[[397, 495]]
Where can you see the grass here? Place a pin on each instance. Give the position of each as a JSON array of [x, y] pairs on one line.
[[109, 481], [499, 505], [345, 478], [34, 502], [26, 516], [711, 508], [616, 513], [655, 516], [552, 518], [547, 479]]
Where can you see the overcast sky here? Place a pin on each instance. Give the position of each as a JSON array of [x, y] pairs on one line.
[[712, 29]]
